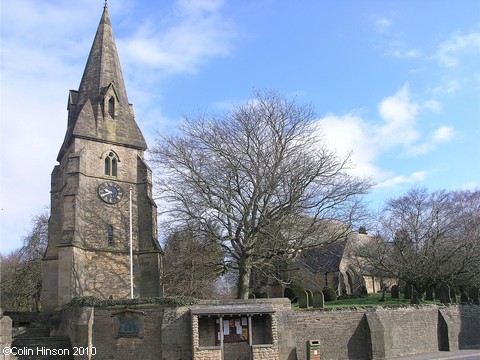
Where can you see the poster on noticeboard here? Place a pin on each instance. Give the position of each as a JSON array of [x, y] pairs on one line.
[[234, 329]]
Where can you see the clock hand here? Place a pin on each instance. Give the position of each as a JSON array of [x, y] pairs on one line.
[[107, 192]]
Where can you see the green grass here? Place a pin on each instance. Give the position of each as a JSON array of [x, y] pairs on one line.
[[371, 300]]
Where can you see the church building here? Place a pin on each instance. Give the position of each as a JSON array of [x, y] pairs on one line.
[[101, 192]]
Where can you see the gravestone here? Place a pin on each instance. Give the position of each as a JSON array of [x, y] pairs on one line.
[[318, 299], [408, 291], [251, 296], [464, 298], [303, 300], [415, 299], [444, 292], [453, 295], [264, 295], [394, 292], [473, 293], [429, 294], [5, 335], [310, 298], [437, 292]]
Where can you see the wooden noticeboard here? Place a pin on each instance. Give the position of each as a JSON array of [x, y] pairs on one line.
[[235, 329]]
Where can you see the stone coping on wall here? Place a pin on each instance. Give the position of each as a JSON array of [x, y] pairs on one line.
[[385, 307], [208, 348], [258, 346]]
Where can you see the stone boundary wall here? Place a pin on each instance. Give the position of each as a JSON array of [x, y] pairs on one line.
[[165, 332], [402, 331], [462, 326], [357, 333], [123, 348], [342, 334], [378, 333]]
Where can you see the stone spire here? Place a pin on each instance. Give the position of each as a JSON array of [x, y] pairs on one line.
[[100, 109]]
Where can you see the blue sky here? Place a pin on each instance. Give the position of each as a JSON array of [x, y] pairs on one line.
[[397, 82]]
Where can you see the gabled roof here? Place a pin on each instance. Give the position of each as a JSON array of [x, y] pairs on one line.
[[102, 80], [324, 258]]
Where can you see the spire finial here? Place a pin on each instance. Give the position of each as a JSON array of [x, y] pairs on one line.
[[106, 5]]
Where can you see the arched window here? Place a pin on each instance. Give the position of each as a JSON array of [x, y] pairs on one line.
[[111, 107], [111, 162]]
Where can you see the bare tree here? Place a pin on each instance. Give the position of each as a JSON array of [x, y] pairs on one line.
[[192, 265], [20, 274], [427, 238], [258, 181]]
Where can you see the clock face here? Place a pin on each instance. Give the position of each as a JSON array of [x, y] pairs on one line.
[[110, 192]]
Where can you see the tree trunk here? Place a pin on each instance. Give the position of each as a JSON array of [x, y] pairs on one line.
[[243, 285]]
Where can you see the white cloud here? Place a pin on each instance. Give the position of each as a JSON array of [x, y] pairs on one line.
[[450, 51], [403, 179], [367, 140], [349, 133], [399, 114], [197, 7], [440, 135], [432, 105], [405, 54], [397, 128], [447, 88], [196, 35], [383, 24], [443, 133], [470, 185]]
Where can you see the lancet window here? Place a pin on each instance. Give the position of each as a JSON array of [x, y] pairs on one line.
[[111, 107], [111, 164]]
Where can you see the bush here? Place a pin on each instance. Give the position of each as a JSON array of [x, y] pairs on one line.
[[297, 286], [329, 294]]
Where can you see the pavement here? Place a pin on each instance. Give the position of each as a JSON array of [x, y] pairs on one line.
[[446, 355]]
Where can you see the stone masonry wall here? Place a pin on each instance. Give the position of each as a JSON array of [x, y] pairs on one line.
[[342, 334], [260, 352], [377, 333], [463, 323], [176, 335], [127, 348], [403, 331], [205, 352]]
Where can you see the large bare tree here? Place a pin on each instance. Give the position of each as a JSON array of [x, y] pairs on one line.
[[258, 181], [192, 265], [21, 281], [426, 238]]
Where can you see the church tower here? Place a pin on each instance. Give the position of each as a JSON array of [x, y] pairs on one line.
[[101, 176]]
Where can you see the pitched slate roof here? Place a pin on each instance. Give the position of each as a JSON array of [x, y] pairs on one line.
[[324, 258], [232, 310]]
